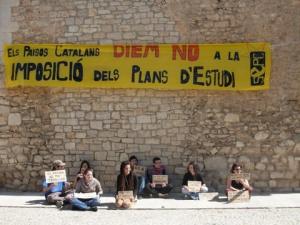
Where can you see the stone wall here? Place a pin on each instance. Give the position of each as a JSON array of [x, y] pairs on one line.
[[260, 129]]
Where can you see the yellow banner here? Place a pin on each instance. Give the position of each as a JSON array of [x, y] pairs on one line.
[[244, 66]]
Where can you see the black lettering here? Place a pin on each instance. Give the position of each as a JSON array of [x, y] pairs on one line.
[[135, 69], [184, 76], [197, 75], [217, 55]]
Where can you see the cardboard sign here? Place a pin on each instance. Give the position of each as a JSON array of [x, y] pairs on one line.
[[85, 195], [160, 179], [125, 194], [55, 176], [194, 186], [139, 170], [239, 176], [238, 196]]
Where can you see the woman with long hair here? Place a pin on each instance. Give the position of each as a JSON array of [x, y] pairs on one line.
[[83, 167], [88, 184], [192, 174], [126, 181], [237, 185]]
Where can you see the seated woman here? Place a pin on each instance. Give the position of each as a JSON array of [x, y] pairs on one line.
[[126, 181], [237, 185], [141, 178], [55, 192], [192, 175], [88, 184], [83, 167]]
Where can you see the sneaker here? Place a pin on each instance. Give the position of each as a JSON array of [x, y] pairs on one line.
[[59, 204], [94, 209]]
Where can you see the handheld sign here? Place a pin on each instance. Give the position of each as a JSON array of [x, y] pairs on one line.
[[139, 170], [239, 176], [125, 194], [160, 179], [194, 186], [55, 176], [85, 195], [238, 196]]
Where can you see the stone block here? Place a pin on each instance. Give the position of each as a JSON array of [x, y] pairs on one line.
[[100, 155], [261, 135], [14, 119], [232, 118], [97, 125], [217, 163]]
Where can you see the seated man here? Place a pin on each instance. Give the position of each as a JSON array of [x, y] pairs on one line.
[[152, 189], [140, 177], [55, 192]]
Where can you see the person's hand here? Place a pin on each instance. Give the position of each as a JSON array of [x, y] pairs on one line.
[[163, 184], [152, 185], [79, 176], [67, 185]]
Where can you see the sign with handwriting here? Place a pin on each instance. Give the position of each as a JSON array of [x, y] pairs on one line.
[[238, 196], [55, 176], [139, 170], [239, 176], [125, 194], [160, 179], [194, 186], [85, 195]]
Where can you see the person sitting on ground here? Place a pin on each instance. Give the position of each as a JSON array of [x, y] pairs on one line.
[[141, 178], [126, 181], [152, 189], [83, 167], [88, 184], [237, 185], [55, 192], [192, 175]]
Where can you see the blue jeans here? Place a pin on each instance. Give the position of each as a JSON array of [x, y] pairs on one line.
[[141, 184], [84, 204], [193, 195]]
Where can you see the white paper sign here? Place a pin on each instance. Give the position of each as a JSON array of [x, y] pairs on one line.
[[194, 186], [55, 176], [160, 179], [85, 195]]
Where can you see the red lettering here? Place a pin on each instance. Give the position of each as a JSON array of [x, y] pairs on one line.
[[153, 48], [118, 53], [136, 51], [181, 50], [191, 54]]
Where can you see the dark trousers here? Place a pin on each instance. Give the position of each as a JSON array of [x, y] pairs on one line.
[[158, 189]]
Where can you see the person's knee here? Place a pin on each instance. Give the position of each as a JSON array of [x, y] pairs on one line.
[[204, 189], [127, 204], [184, 190], [119, 203]]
